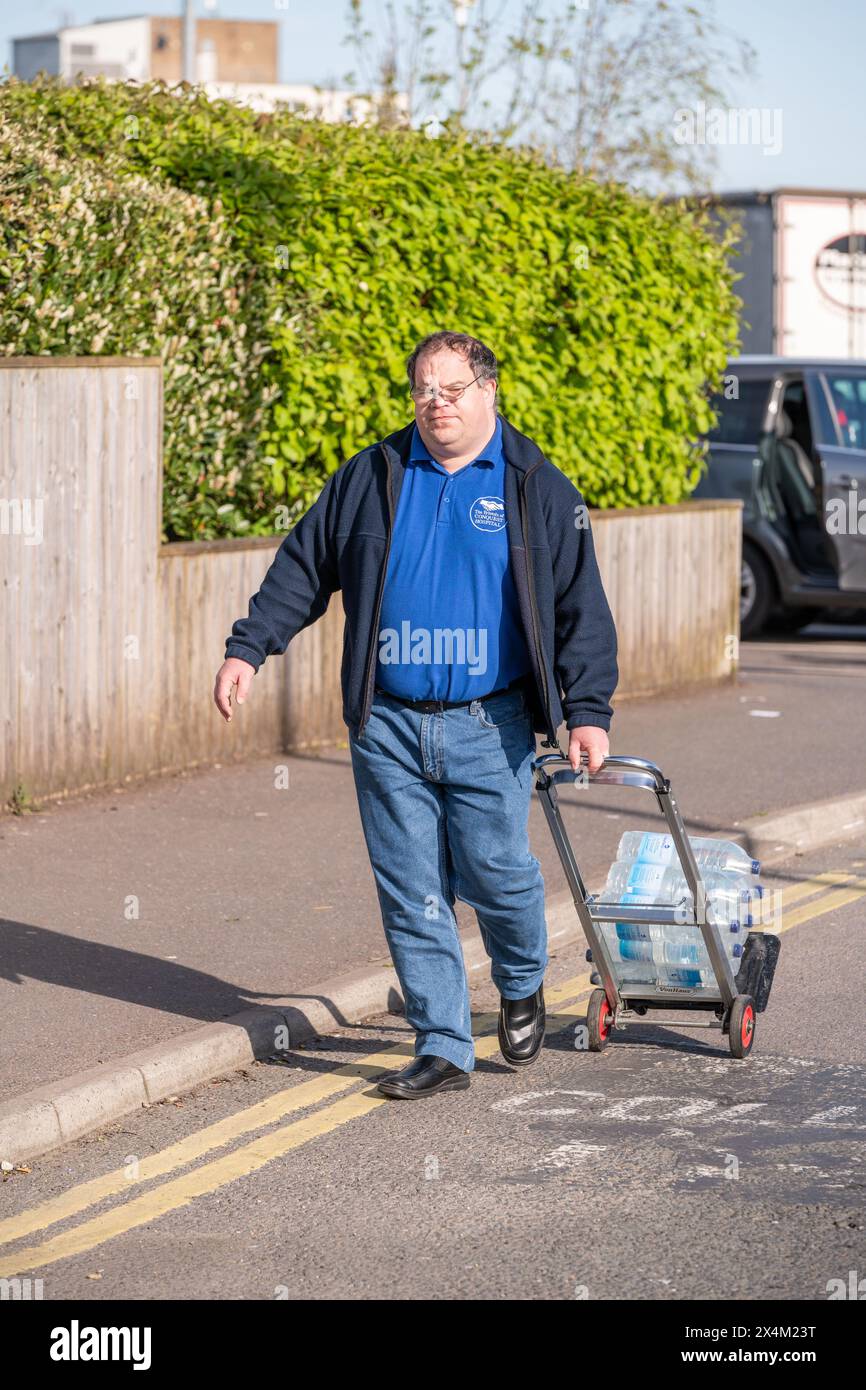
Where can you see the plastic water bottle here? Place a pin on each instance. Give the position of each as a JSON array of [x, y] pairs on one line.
[[641, 949], [657, 847], [673, 962], [648, 871], [655, 878], [628, 970], [730, 896], [680, 963]]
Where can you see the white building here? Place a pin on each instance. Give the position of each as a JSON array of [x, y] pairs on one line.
[[115, 48], [234, 59]]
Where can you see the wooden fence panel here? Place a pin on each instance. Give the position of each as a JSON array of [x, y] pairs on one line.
[[80, 453]]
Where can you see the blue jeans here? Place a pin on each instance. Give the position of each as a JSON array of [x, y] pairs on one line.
[[444, 803]]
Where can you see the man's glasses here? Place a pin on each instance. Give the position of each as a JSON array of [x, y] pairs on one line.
[[448, 393]]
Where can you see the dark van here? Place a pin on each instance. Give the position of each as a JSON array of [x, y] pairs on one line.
[[791, 443]]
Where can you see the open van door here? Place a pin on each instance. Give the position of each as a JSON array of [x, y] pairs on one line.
[[837, 398]]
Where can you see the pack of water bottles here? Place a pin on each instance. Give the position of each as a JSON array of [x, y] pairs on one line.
[[647, 869]]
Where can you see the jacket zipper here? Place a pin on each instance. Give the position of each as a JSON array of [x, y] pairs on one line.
[[371, 653], [551, 740]]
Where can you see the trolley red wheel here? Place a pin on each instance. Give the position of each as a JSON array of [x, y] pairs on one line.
[[599, 1020], [741, 1026]]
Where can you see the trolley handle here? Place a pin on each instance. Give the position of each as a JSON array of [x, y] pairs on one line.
[[623, 771], [617, 769]]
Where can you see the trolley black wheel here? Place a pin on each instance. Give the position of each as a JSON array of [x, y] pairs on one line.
[[741, 1026], [599, 1020]]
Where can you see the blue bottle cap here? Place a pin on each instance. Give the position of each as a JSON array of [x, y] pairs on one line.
[[756, 866]]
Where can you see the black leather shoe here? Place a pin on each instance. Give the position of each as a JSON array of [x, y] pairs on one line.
[[521, 1028], [424, 1076]]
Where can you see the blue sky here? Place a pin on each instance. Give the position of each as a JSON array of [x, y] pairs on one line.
[[810, 66]]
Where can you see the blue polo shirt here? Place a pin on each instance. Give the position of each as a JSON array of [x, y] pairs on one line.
[[450, 626]]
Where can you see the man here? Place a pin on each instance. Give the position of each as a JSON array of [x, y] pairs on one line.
[[472, 597]]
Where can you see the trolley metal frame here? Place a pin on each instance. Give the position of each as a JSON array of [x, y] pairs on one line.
[[628, 999]]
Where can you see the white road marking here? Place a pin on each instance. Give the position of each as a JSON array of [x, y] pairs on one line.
[[569, 1155], [691, 1171], [654, 1108], [515, 1102], [694, 1107], [736, 1112], [625, 1109], [827, 1118]]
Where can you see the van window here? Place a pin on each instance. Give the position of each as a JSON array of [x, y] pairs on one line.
[[847, 393], [741, 417], [797, 411]]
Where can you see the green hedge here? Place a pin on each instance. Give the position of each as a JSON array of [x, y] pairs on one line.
[[609, 312], [98, 261]]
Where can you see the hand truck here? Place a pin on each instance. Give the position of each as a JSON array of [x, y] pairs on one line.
[[732, 1000]]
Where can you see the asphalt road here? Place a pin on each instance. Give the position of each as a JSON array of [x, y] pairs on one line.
[[131, 915], [658, 1169]]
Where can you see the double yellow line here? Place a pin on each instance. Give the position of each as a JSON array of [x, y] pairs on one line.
[[834, 889], [851, 888]]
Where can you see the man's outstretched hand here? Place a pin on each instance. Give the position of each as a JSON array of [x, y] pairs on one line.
[[594, 742], [232, 672]]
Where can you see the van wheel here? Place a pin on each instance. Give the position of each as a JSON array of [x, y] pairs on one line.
[[757, 591]]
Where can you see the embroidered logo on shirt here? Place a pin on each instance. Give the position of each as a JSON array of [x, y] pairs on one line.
[[487, 514]]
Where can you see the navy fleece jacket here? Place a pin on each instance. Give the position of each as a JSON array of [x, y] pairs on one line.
[[342, 543]]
